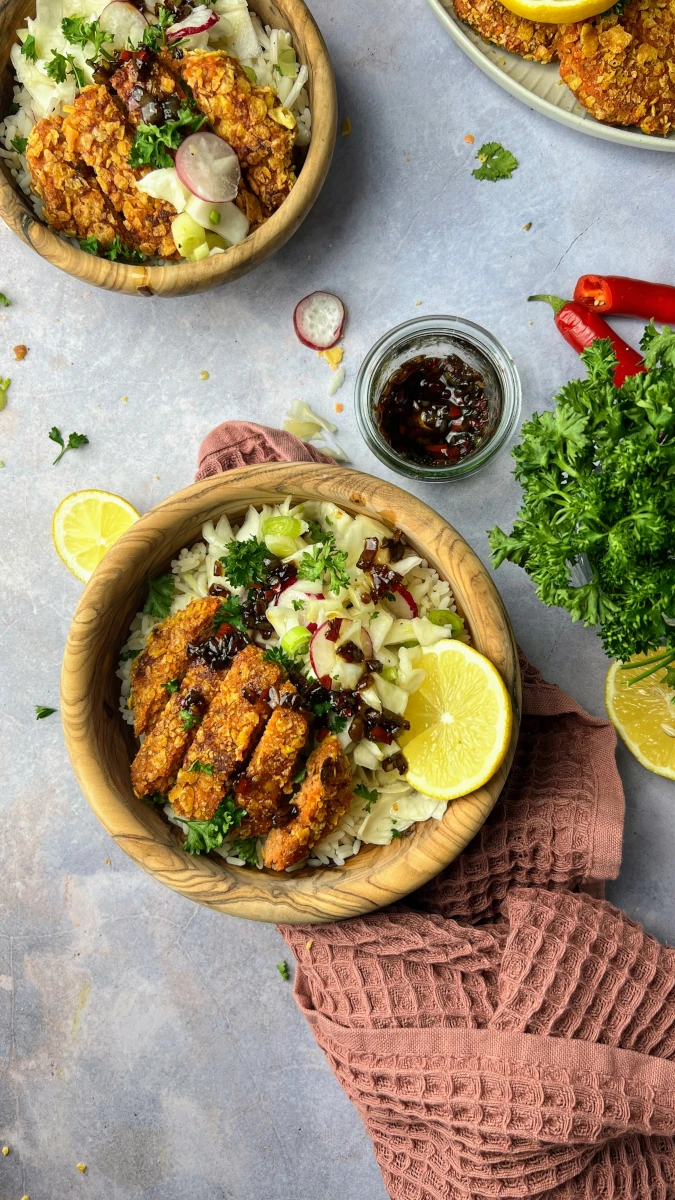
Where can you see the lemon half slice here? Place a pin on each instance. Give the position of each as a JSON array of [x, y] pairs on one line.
[[86, 524], [643, 716], [460, 722], [557, 12]]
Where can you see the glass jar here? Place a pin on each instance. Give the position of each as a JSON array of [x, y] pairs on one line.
[[437, 337]]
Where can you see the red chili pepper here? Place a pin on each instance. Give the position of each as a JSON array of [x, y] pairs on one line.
[[580, 328], [626, 297]]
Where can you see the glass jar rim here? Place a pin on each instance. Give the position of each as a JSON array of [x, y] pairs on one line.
[[481, 340]]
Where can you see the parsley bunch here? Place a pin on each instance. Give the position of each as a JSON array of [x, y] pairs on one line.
[[61, 65], [149, 147], [202, 836], [160, 596], [244, 562], [80, 32], [324, 560], [597, 478]]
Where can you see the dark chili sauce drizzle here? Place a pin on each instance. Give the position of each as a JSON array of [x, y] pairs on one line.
[[433, 411]]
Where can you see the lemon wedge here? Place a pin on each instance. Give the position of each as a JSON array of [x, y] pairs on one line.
[[557, 12], [460, 722], [86, 524], [643, 716]]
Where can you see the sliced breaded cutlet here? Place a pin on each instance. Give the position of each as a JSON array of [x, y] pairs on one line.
[[97, 132], [165, 657], [158, 761], [269, 775], [239, 112], [622, 68], [227, 736], [73, 201], [322, 801], [530, 39]]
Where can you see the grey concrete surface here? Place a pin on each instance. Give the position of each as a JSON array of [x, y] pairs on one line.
[[153, 1040]]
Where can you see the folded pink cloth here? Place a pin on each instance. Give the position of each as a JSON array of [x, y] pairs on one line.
[[504, 1032], [243, 444]]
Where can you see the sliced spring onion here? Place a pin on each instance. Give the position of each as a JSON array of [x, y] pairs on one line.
[[390, 674], [282, 547], [443, 616], [249, 73], [215, 217], [296, 640], [187, 235], [215, 241], [199, 252], [281, 526]]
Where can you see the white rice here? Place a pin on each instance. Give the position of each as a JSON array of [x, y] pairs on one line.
[[398, 805], [35, 95]]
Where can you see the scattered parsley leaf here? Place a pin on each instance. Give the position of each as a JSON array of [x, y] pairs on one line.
[[160, 596], [298, 604], [373, 615], [202, 836], [246, 848], [154, 36], [188, 718], [156, 799], [149, 147], [325, 560], [244, 562], [201, 768], [128, 654], [282, 968], [19, 144], [597, 488], [366, 794], [29, 49], [300, 775], [496, 162], [229, 611], [396, 833], [3, 300], [4, 385], [75, 440], [116, 250], [80, 32], [90, 245], [335, 723], [41, 712], [172, 685], [62, 65], [274, 654]]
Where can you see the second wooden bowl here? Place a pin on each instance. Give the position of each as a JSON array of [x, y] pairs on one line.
[[182, 279], [101, 745]]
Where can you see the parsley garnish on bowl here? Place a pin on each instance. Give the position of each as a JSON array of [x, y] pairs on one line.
[[202, 836], [595, 529], [149, 147], [160, 596]]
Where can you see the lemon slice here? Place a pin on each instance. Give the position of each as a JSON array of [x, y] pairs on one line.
[[86, 524], [643, 716], [460, 722], [557, 12]]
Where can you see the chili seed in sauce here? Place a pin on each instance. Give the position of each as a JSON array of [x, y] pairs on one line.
[[433, 411]]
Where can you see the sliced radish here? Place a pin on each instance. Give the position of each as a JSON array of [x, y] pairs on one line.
[[402, 606], [284, 587], [322, 651], [208, 167], [199, 20], [124, 23], [367, 644], [319, 320]]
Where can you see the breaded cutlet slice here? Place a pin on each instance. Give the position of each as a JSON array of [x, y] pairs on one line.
[[530, 39], [97, 131], [165, 657], [622, 68], [239, 112], [73, 202], [227, 736], [158, 761], [269, 775], [322, 801]]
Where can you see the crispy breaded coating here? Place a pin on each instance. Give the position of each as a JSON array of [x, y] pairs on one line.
[[156, 81], [165, 657], [227, 736], [251, 206], [323, 799], [239, 112], [96, 131], [157, 763], [495, 23], [270, 772], [73, 201], [622, 69]]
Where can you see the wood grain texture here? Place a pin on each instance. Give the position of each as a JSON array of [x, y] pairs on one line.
[[183, 279], [101, 744]]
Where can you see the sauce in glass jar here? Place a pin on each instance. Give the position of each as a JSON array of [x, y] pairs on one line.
[[434, 411]]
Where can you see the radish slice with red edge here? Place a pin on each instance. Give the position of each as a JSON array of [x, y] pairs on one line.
[[199, 20], [322, 651], [208, 167], [124, 23], [367, 644], [319, 320], [402, 606]]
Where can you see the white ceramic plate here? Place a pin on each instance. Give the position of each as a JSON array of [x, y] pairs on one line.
[[538, 86]]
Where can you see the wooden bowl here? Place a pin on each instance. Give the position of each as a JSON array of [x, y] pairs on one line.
[[101, 745], [182, 279]]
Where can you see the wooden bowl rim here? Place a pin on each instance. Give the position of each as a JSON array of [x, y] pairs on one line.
[[187, 278], [378, 875]]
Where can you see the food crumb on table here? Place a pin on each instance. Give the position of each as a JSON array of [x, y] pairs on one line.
[[417, 303], [82, 1167], [204, 375], [106, 862], [338, 408], [20, 352], [346, 127], [333, 356], [5, 1150], [469, 139], [527, 227]]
